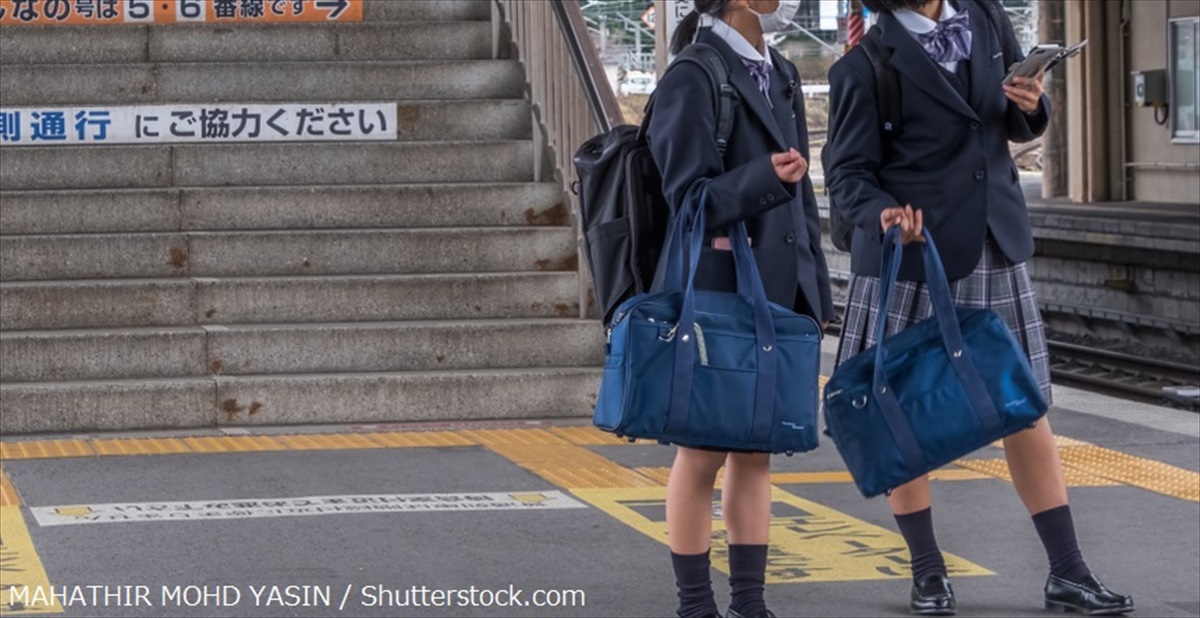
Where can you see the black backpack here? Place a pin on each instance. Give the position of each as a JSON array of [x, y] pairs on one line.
[[887, 102], [623, 213]]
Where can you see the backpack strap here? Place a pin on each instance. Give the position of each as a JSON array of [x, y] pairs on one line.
[[709, 59], [887, 83], [1003, 25]]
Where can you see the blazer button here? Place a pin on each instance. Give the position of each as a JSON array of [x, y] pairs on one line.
[[980, 175], [789, 239], [770, 197], [763, 201], [975, 126]]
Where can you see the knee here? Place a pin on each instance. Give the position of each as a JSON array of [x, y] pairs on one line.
[[699, 465], [748, 464]]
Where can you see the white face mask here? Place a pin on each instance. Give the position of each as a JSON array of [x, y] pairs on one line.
[[781, 18]]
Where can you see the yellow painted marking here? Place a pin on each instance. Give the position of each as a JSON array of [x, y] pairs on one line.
[[530, 498], [804, 478], [661, 475], [809, 542], [73, 511], [1147, 474], [152, 446], [8, 493], [20, 567], [46, 449], [998, 468]]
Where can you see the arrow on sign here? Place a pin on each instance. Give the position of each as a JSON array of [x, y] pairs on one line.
[[338, 7]]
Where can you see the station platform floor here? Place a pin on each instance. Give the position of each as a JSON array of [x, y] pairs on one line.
[[550, 519]]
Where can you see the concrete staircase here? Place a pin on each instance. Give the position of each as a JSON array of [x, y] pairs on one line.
[[196, 285]]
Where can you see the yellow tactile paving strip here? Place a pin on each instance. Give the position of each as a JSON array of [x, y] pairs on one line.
[[148, 446], [46, 449], [1129, 469], [559, 454], [572, 467], [998, 468], [812, 478]]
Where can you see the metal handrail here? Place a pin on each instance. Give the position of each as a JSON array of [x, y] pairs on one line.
[[567, 87]]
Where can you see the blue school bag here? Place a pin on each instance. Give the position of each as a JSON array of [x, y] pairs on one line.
[[940, 389], [710, 369]]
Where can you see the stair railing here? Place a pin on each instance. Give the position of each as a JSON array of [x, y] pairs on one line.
[[568, 89]]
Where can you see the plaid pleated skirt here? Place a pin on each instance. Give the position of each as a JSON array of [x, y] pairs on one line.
[[996, 284]]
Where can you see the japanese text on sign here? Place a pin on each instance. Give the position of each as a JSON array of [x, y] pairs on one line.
[[109, 12], [223, 122]]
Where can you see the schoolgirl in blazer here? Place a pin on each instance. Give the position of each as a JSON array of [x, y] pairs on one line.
[[951, 158], [761, 180], [949, 171], [781, 217]]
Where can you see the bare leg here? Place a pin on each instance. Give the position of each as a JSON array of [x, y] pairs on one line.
[[689, 499], [746, 498], [1036, 469], [910, 497]]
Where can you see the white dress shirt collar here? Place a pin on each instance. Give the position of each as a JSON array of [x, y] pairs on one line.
[[738, 43]]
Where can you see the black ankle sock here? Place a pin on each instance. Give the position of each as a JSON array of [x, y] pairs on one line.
[[917, 530], [747, 573], [693, 580], [1057, 530]]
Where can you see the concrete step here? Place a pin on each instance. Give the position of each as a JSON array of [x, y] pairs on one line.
[[407, 346], [267, 253], [295, 207], [61, 355], [103, 354], [244, 82], [435, 40], [388, 297], [103, 256], [191, 165], [30, 305], [69, 407], [75, 407], [89, 304]]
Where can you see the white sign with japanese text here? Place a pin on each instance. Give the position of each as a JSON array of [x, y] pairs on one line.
[[312, 505], [196, 123]]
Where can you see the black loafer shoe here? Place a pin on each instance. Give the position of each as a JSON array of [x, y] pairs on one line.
[[733, 613], [933, 596], [1088, 597]]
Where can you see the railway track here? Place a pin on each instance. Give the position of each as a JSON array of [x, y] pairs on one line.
[[1147, 379]]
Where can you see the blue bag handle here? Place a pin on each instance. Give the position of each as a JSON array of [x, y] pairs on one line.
[[670, 274], [952, 340], [685, 353]]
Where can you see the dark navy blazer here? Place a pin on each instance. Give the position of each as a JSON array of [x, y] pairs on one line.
[[951, 159], [781, 218]]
